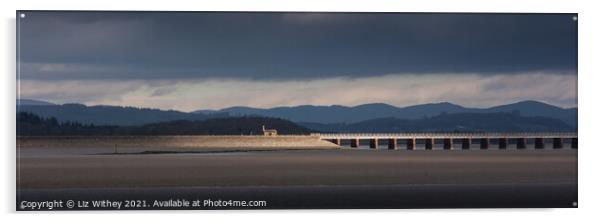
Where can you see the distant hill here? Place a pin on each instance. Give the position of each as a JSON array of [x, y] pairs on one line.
[[534, 108], [29, 124], [343, 114], [128, 116], [31, 102], [110, 115], [460, 122]]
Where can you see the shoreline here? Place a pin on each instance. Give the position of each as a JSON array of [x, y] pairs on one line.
[[177, 143]]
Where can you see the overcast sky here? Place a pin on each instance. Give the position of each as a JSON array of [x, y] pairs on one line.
[[190, 61]]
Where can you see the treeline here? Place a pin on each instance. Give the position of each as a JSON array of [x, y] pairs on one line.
[[455, 122], [113, 115], [29, 124]]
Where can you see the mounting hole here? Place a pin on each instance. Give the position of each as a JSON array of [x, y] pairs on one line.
[[575, 204], [22, 15]]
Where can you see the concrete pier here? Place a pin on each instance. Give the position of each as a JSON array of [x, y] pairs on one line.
[[502, 143], [448, 144], [355, 142], [574, 143], [428, 143], [466, 143], [336, 141], [411, 144], [539, 144], [374, 143], [558, 143], [521, 143], [484, 143], [392, 144]]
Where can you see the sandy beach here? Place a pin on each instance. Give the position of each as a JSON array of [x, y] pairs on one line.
[[343, 178], [307, 167]]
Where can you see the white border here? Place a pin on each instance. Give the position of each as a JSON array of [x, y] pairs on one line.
[[589, 106]]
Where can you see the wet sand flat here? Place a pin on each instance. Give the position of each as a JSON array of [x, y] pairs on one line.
[[298, 168], [303, 179], [559, 195]]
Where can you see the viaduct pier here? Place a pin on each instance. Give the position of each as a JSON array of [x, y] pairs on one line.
[[450, 141]]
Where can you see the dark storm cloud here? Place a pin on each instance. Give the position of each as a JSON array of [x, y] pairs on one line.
[[158, 45]]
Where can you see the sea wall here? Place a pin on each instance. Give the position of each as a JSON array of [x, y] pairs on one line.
[[176, 142]]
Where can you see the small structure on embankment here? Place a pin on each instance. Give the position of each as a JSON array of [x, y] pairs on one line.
[[269, 132]]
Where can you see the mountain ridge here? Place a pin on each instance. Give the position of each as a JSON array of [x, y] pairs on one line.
[[351, 114], [118, 115]]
